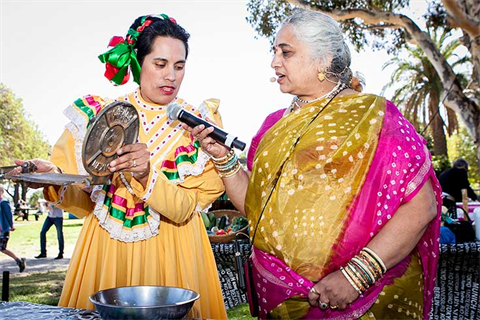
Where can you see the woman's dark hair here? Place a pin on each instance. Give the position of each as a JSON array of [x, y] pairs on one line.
[[460, 162], [158, 28]]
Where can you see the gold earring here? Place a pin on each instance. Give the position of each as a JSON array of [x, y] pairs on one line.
[[321, 76]]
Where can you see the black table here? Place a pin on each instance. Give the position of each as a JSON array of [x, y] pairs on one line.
[[34, 311], [456, 294], [225, 258]]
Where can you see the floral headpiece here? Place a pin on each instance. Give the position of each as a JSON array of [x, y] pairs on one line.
[[122, 58]]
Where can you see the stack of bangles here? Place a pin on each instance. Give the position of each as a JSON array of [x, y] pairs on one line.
[[364, 270], [228, 165]]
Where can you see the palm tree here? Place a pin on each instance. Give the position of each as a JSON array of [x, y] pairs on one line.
[[419, 93]]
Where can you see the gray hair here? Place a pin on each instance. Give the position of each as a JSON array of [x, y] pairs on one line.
[[324, 38]]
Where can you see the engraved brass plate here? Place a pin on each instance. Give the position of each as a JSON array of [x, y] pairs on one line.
[[113, 127]]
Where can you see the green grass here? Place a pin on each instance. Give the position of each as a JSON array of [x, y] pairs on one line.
[[239, 312], [43, 288]]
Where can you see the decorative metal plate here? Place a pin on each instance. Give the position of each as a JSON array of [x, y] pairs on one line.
[[113, 127], [58, 179]]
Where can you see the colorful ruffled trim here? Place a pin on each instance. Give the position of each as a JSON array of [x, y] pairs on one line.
[[80, 113], [141, 222], [123, 223], [183, 155]]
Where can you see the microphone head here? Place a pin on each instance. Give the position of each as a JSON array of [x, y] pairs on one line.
[[173, 110], [273, 79]]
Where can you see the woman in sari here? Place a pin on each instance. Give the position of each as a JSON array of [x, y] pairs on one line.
[[339, 190], [143, 227]]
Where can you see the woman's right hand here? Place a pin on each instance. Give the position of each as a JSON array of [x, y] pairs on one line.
[[334, 290], [207, 143]]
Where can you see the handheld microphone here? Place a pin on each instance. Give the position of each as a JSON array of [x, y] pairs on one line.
[[176, 112]]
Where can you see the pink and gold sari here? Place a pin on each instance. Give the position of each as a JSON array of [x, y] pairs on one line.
[[345, 179]]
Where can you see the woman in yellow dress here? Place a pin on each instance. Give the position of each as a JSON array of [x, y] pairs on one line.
[[144, 228]]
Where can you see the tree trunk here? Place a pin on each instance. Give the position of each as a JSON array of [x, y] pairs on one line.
[[16, 194], [465, 14], [24, 192], [438, 134], [452, 122]]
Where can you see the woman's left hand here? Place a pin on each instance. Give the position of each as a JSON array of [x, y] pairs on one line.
[[134, 158], [333, 291]]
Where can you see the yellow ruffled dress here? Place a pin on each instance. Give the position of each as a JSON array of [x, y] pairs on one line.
[[135, 236]]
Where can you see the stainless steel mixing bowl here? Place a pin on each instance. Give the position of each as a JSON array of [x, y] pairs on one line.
[[144, 302]]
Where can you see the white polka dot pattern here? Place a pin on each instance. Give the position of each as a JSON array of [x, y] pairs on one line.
[[322, 173], [325, 158]]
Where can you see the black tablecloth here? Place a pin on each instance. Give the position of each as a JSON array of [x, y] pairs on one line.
[[225, 257], [33, 311], [456, 294]]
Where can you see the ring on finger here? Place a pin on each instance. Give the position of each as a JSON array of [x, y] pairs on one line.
[[314, 291], [134, 163], [333, 307], [322, 305]]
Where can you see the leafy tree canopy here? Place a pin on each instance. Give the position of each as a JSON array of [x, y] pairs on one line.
[[20, 137], [386, 24], [266, 16]]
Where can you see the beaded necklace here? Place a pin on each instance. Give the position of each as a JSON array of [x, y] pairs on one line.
[[336, 90]]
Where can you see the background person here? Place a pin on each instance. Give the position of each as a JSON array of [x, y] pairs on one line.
[[55, 217], [41, 208], [340, 191], [455, 179], [6, 226], [145, 227], [21, 210]]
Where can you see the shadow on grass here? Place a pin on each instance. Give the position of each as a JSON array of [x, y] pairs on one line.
[[73, 225], [43, 288]]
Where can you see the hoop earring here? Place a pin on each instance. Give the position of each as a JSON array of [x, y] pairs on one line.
[[321, 76]]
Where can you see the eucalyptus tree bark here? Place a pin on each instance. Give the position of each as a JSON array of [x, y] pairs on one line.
[[436, 127], [460, 13], [465, 15]]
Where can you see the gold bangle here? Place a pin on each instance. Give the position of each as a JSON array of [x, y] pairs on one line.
[[231, 172], [352, 283], [373, 264], [365, 269], [377, 258], [362, 276], [355, 278], [232, 162], [225, 158]]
